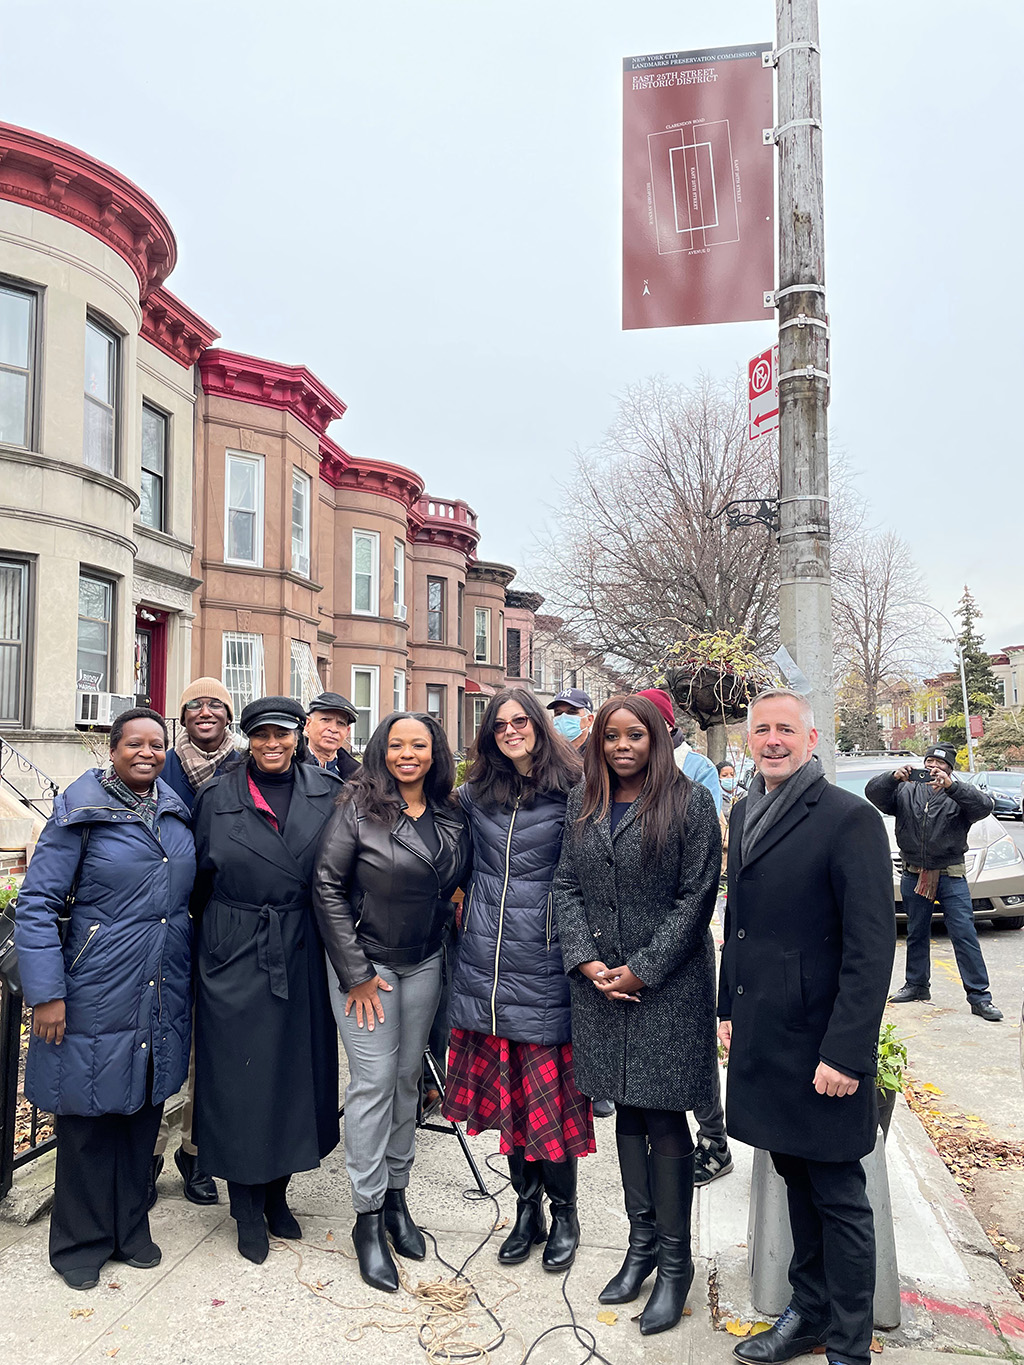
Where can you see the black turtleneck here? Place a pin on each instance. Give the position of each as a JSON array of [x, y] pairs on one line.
[[276, 790]]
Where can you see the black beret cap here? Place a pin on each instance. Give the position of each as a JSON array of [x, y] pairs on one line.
[[283, 711]]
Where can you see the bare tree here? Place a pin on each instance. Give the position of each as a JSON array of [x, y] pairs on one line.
[[641, 551]]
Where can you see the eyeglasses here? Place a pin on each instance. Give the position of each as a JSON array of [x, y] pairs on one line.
[[200, 702], [517, 723]]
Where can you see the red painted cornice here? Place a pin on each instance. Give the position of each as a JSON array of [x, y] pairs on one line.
[[449, 522], [342, 470], [64, 182], [289, 388], [174, 328]]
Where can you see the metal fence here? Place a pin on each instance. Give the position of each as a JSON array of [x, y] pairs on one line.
[[10, 1069]]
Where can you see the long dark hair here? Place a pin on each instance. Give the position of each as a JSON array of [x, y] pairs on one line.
[[666, 791], [555, 767], [375, 790]]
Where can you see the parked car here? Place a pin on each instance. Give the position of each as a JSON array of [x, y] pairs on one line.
[[1005, 804], [1005, 787], [995, 865]]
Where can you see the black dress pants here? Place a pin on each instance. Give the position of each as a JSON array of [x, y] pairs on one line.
[[833, 1267], [101, 1187]]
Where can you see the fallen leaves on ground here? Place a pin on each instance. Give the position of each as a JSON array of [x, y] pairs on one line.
[[876, 1346], [82, 1312], [962, 1140], [739, 1328], [608, 1317], [216, 1303]]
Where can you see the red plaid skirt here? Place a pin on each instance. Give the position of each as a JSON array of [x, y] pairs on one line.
[[525, 1090]]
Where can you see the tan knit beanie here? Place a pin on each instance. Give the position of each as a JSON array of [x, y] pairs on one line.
[[206, 687]]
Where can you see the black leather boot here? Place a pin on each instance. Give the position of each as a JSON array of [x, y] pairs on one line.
[[530, 1226], [564, 1237], [398, 1224], [280, 1219], [247, 1204], [641, 1257], [200, 1188], [376, 1264], [154, 1172], [672, 1187]]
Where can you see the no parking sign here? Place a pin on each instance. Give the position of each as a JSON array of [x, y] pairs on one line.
[[763, 392]]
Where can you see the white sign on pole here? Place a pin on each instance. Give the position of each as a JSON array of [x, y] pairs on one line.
[[763, 392]]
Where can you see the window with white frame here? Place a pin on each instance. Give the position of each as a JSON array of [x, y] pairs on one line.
[[482, 634], [155, 427], [400, 608], [365, 698], [460, 613], [435, 609], [501, 638], [243, 509], [13, 640], [479, 707], [242, 668], [301, 500], [366, 573], [304, 681], [100, 435], [538, 671], [95, 633], [437, 703], [398, 700], [17, 364]]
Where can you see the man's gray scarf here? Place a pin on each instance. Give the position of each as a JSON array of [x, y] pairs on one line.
[[764, 809]]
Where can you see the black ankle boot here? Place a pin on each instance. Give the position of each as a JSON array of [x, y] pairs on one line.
[[563, 1239], [376, 1264], [641, 1256], [398, 1224], [280, 1219], [672, 1187], [247, 1204], [154, 1171], [530, 1226]]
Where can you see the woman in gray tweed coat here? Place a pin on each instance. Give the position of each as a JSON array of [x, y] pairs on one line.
[[634, 895]]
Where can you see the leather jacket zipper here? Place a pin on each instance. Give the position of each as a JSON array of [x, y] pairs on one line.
[[501, 916], [550, 900], [93, 930]]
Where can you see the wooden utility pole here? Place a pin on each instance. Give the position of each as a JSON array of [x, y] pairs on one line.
[[805, 591]]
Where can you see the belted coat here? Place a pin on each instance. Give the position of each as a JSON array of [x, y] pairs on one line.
[[266, 1041], [123, 971], [809, 942], [617, 902]]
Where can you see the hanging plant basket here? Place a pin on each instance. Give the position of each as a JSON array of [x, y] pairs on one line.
[[714, 677]]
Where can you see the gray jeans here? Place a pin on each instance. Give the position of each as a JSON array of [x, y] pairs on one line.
[[384, 1073]]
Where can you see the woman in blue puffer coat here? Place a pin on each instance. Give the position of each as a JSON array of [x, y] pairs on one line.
[[510, 1065], [111, 1023]]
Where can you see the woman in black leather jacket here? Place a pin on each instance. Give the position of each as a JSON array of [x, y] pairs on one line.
[[389, 859]]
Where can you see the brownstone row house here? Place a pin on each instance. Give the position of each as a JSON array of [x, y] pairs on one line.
[[169, 508]]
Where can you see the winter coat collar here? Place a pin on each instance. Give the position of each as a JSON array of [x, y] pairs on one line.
[[313, 797], [86, 802], [800, 809]]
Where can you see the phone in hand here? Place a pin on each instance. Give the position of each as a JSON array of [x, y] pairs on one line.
[[921, 775]]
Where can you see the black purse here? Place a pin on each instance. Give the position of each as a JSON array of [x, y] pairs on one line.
[[9, 973]]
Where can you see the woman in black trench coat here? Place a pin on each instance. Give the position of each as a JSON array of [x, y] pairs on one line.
[[634, 895], [266, 1045]]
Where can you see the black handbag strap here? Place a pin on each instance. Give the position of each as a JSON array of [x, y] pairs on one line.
[[64, 920]]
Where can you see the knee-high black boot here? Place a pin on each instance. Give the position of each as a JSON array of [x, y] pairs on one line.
[[281, 1220], [530, 1226], [247, 1205], [560, 1184], [641, 1256], [376, 1264], [672, 1186]]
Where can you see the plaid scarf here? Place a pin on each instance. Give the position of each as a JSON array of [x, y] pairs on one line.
[[198, 765], [143, 804]]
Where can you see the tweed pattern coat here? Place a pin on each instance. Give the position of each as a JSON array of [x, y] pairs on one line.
[[615, 901]]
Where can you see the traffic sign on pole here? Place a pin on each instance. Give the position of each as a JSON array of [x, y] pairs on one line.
[[763, 392]]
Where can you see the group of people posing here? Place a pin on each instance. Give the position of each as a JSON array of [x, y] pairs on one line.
[[292, 895]]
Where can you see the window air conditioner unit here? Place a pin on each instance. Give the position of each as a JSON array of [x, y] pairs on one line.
[[100, 708], [402, 612]]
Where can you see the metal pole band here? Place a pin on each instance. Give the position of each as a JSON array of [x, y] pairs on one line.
[[803, 320], [770, 135], [802, 45], [808, 372], [771, 299]]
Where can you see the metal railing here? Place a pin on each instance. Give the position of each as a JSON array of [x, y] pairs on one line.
[[18, 772], [10, 1067]]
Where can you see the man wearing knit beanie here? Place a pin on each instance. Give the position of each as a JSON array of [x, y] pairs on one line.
[[203, 748]]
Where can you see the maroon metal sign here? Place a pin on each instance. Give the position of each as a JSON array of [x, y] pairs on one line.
[[697, 188]]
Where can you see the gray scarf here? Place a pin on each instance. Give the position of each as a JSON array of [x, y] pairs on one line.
[[763, 809]]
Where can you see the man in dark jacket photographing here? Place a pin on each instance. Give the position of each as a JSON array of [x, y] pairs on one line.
[[932, 822]]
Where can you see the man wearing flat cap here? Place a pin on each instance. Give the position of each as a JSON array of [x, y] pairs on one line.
[[328, 727], [933, 818]]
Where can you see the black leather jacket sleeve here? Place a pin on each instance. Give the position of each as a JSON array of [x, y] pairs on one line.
[[332, 901]]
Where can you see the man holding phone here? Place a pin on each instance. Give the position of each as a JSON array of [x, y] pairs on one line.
[[934, 812]]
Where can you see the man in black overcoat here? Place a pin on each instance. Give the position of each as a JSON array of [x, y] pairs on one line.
[[809, 943]]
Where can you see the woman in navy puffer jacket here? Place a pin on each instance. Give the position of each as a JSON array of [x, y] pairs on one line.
[[510, 1065], [112, 1006]]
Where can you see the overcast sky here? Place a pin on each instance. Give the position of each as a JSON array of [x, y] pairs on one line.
[[420, 201]]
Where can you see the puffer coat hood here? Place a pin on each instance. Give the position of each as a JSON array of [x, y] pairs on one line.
[[124, 969], [509, 979]]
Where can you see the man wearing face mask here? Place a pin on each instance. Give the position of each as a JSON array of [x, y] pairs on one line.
[[574, 715]]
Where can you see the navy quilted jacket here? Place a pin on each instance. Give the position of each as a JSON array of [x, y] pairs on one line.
[[124, 971], [509, 979]]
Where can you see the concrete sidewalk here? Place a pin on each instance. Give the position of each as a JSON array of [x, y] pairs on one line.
[[205, 1303]]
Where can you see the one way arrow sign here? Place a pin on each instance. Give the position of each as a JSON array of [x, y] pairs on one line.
[[763, 392]]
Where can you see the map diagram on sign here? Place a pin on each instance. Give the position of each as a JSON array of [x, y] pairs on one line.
[[694, 193]]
